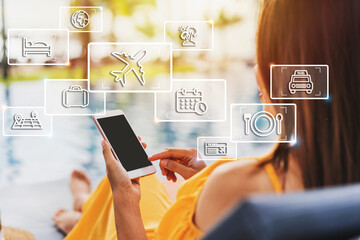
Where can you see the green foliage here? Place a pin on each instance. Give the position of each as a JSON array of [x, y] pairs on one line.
[[50, 73], [183, 68], [76, 72], [223, 20], [174, 35], [127, 7], [152, 69], [118, 7], [148, 28]]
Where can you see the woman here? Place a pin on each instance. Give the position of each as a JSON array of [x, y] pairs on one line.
[[327, 152]]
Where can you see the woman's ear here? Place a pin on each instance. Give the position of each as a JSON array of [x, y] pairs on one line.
[[263, 94]]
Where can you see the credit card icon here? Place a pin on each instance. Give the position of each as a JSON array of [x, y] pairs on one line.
[[216, 149]]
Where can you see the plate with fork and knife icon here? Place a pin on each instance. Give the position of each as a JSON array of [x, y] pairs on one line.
[[262, 123]]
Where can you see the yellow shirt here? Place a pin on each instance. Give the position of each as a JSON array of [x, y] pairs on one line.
[[162, 219]]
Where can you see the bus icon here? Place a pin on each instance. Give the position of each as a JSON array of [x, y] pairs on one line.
[[301, 81]]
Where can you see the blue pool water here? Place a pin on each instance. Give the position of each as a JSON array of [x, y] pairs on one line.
[[75, 142]]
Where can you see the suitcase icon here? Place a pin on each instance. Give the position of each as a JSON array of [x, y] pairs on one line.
[[75, 96]]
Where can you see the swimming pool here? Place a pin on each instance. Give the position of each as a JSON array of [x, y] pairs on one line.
[[75, 142]]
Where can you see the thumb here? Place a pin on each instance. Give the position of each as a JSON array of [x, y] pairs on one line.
[[179, 168], [108, 156]]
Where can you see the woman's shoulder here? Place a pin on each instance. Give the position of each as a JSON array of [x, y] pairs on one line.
[[226, 186], [238, 179], [240, 175]]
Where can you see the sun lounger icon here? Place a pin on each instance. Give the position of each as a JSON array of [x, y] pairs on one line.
[[132, 65]]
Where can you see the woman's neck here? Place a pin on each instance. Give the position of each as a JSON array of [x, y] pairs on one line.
[[292, 177]]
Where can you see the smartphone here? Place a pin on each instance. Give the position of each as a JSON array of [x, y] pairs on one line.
[[125, 145]]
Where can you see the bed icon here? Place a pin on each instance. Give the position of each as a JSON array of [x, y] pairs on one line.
[[35, 48]]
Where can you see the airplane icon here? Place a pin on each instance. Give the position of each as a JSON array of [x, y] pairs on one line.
[[132, 65]]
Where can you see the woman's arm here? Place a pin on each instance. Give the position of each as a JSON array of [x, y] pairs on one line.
[[126, 197], [128, 220]]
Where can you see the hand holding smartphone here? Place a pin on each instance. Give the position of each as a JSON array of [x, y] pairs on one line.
[[124, 143]]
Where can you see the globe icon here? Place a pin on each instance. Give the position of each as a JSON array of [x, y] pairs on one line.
[[80, 19]]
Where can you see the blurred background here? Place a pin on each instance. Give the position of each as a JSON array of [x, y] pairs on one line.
[[75, 142], [37, 169]]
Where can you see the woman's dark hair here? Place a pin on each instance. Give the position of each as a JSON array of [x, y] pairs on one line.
[[318, 32]]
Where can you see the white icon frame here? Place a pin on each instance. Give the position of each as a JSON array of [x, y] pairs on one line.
[[25, 135], [72, 114], [301, 65], [133, 44], [39, 64], [156, 119], [81, 7], [292, 140]]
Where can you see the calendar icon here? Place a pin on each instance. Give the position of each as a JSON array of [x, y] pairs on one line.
[[190, 101]]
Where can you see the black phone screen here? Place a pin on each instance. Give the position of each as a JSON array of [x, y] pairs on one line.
[[124, 142]]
